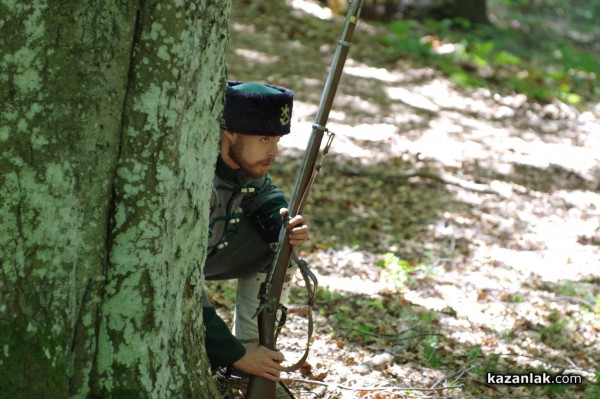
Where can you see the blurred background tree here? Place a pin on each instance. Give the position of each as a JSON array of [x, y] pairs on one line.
[[474, 11]]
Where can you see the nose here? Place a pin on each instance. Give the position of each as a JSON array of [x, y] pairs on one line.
[[273, 150]]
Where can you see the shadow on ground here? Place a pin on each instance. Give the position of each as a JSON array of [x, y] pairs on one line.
[[406, 344]]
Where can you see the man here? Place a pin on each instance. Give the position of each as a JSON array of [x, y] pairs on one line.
[[246, 214]]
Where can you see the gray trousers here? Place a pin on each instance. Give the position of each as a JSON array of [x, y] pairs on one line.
[[245, 258]]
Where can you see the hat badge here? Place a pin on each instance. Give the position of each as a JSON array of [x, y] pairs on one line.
[[285, 115]]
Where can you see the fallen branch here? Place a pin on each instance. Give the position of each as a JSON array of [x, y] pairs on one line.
[[389, 337], [444, 178], [371, 389], [447, 178]]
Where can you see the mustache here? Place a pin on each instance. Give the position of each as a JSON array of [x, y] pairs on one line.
[[266, 160]]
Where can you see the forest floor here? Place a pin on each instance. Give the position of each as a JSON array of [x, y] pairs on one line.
[[454, 232]]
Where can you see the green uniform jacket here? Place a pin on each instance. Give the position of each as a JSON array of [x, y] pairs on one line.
[[222, 347], [259, 201]]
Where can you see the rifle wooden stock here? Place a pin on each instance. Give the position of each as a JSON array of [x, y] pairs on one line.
[[258, 387]]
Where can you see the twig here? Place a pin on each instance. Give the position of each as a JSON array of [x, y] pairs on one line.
[[390, 337], [420, 396], [322, 302], [445, 178], [461, 373], [571, 299], [368, 389]]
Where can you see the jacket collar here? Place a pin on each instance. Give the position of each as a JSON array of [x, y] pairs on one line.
[[230, 175]]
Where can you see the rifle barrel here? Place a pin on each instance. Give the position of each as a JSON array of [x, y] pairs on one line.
[[258, 387]]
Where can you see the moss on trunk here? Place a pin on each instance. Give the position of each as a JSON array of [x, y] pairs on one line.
[[110, 118]]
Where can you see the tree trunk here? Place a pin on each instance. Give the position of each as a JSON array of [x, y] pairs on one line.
[[474, 11], [109, 128]]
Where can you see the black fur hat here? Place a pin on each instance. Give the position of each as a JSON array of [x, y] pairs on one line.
[[257, 109]]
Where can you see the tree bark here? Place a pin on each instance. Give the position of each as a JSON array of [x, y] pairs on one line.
[[108, 135], [474, 11]]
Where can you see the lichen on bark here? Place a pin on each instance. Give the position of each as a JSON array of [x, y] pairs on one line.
[[162, 208], [112, 113]]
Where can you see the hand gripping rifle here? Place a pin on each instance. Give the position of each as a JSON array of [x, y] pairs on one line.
[[270, 293]]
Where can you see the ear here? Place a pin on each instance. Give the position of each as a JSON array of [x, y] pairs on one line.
[[230, 136]]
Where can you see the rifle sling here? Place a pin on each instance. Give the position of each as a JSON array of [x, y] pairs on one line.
[[311, 283]]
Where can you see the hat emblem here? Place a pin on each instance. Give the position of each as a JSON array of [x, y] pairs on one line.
[[285, 115]]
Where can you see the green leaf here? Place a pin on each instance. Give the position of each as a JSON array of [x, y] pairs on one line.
[[401, 28], [506, 58]]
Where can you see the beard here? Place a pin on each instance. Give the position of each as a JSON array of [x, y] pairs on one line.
[[254, 170]]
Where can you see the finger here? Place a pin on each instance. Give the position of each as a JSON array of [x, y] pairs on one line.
[[270, 376], [274, 370], [267, 374], [298, 237], [296, 221], [300, 233], [301, 236], [278, 356], [300, 229]]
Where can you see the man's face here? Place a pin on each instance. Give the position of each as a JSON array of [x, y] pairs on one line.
[[254, 154]]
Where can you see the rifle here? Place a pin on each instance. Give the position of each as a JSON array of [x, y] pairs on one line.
[[270, 292]]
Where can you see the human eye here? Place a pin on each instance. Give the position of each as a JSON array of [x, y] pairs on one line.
[[265, 139]]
